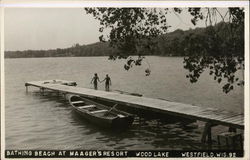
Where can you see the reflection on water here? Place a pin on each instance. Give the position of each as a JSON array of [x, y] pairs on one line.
[[36, 121]]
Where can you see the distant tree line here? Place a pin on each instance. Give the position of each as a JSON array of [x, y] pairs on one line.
[[96, 49], [177, 43]]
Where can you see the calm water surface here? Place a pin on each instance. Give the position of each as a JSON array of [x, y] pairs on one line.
[[34, 121]]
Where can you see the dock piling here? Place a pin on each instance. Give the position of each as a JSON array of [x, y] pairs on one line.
[[230, 139], [207, 133], [26, 86]]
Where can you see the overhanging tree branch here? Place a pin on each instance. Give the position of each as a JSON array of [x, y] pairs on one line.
[[136, 31]]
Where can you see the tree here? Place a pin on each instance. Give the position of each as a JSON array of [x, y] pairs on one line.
[[133, 30]]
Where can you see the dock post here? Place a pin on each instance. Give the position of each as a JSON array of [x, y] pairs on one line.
[[26, 86], [207, 133], [42, 90]]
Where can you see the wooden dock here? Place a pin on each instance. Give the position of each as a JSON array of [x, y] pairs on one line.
[[211, 116]]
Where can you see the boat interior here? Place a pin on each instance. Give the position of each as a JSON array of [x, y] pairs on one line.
[[93, 109]]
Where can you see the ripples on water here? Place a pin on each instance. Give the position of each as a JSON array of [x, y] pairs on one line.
[[35, 121]]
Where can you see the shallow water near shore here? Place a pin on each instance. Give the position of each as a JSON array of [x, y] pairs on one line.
[[35, 121]]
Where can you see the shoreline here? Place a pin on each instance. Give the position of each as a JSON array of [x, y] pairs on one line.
[[89, 56]]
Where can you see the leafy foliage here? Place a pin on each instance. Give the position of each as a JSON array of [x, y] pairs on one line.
[[202, 51], [220, 49], [133, 32]]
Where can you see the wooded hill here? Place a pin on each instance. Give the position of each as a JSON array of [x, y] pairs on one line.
[[175, 43]]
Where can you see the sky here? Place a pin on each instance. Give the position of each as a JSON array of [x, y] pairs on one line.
[[51, 28], [37, 28]]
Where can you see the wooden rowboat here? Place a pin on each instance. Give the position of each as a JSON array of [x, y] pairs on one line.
[[102, 115]]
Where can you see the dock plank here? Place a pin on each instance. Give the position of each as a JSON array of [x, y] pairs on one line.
[[235, 118], [216, 115]]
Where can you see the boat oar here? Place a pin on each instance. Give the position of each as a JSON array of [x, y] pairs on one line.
[[112, 107]]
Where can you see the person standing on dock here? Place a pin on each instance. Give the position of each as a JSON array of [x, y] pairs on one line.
[[95, 79], [107, 82]]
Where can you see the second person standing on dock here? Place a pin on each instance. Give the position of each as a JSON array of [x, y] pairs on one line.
[[107, 82], [95, 79]]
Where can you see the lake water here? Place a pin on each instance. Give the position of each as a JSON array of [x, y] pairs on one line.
[[34, 121]]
